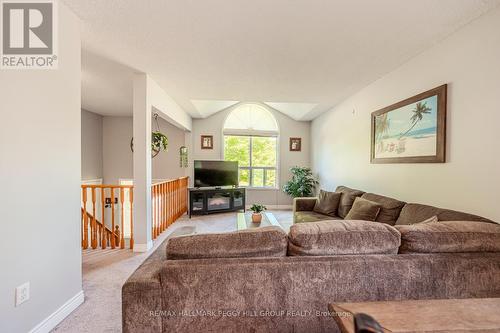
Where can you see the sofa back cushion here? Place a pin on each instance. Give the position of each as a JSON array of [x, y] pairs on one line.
[[389, 208], [342, 237], [347, 199], [327, 203], [257, 242], [364, 210], [415, 213], [449, 236]]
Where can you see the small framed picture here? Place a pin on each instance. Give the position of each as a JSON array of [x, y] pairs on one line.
[[207, 142], [295, 144]]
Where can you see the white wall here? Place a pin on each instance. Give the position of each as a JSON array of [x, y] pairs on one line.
[[469, 62], [40, 177], [166, 106], [91, 145], [213, 125]]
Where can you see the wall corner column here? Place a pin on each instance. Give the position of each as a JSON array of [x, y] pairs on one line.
[[142, 164]]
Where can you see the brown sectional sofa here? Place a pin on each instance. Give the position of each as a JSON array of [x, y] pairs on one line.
[[286, 285], [393, 212]]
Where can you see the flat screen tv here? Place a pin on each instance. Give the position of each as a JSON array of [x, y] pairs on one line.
[[215, 173]]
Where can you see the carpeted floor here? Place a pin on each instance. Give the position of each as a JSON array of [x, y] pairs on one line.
[[105, 271]]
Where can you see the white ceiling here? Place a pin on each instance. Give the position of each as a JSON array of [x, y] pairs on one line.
[[205, 108], [301, 56], [106, 86]]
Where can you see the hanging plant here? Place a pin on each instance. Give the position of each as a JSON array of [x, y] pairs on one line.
[[159, 141]]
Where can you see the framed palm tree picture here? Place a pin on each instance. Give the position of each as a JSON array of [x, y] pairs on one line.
[[411, 131]]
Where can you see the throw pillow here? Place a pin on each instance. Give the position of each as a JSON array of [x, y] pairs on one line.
[[328, 203], [347, 199], [363, 209]]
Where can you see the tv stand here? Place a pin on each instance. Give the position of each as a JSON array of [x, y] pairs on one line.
[[210, 200]]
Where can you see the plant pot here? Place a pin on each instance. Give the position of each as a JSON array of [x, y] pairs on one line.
[[256, 217]]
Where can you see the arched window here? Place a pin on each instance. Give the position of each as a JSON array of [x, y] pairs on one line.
[[251, 139]]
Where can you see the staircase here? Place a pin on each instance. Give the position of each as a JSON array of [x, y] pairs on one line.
[[101, 239], [115, 204]]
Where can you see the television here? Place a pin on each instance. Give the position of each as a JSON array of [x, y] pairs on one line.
[[215, 173]]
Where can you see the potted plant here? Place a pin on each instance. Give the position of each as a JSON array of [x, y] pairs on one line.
[[159, 142], [302, 183], [257, 210]]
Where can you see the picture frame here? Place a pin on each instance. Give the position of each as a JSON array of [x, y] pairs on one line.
[[295, 144], [412, 130], [207, 142]]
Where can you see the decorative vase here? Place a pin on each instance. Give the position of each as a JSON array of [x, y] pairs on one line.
[[256, 217]]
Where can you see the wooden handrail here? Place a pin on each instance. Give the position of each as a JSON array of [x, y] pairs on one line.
[[96, 232], [106, 186], [168, 203], [170, 180], [168, 200], [100, 225]]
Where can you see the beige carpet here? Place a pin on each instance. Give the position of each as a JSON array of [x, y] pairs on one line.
[[105, 271]]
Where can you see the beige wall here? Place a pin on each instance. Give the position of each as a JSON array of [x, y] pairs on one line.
[[469, 62], [166, 165], [91, 145], [288, 128], [40, 156], [118, 158]]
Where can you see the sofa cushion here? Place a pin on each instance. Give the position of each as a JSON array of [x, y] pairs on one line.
[[327, 203], [304, 204], [414, 213], [363, 209], [347, 199], [433, 219], [305, 216], [389, 208], [449, 236], [257, 242], [342, 237]]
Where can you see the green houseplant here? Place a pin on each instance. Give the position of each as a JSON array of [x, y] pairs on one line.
[[159, 142], [257, 210], [302, 183]]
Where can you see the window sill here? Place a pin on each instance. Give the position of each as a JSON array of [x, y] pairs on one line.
[[262, 188]]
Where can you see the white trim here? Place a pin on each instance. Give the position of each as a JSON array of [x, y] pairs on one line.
[[96, 181], [250, 188], [143, 247], [58, 316], [121, 181], [246, 132]]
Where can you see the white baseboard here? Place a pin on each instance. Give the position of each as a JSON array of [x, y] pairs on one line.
[[58, 316], [140, 247]]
